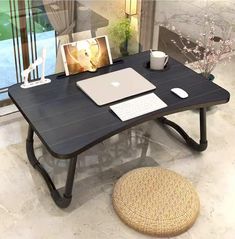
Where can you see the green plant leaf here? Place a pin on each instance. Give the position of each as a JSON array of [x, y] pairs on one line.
[[121, 31]]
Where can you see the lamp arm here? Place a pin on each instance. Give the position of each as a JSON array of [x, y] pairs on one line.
[[25, 73], [44, 52]]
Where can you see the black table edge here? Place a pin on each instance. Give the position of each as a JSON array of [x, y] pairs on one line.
[[134, 122]]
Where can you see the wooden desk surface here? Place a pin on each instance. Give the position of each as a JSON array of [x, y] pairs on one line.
[[68, 122]]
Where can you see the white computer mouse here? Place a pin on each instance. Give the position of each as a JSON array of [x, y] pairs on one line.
[[180, 92]]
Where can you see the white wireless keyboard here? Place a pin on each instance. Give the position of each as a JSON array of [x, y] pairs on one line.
[[138, 106]]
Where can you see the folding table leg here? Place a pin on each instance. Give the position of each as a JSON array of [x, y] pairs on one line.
[[61, 201], [202, 145]]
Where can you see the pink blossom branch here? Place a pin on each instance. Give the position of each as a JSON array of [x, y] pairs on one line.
[[209, 49]]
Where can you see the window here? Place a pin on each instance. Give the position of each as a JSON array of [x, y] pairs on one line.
[[27, 26]]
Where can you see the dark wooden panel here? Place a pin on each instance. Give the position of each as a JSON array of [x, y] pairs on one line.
[[68, 122]]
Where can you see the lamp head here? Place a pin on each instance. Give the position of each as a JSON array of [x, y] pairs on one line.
[[131, 7]]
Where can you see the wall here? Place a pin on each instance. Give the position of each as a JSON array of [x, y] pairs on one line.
[[188, 16]]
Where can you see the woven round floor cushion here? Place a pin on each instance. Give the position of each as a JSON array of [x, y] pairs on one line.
[[156, 201]]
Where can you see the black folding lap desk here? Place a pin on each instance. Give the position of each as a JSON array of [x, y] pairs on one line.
[[68, 122]]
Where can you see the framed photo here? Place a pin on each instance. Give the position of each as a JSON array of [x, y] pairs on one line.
[[86, 55]]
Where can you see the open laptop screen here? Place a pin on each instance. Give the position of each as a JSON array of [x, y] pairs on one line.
[[86, 55]]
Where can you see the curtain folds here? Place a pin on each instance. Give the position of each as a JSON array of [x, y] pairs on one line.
[[147, 24], [61, 14]]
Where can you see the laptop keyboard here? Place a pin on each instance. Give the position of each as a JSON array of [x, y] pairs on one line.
[[138, 106]]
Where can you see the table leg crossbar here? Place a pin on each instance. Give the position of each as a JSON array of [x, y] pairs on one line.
[[61, 201], [202, 145]]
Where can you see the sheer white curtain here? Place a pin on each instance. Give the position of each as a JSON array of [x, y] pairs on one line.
[[61, 14]]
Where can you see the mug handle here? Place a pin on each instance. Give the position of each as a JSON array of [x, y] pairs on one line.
[[166, 60]]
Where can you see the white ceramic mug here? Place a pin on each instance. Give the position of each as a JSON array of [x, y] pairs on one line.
[[158, 60]]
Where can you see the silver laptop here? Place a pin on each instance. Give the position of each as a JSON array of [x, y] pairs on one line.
[[114, 86]]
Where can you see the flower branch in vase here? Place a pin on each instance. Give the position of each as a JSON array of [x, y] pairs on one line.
[[208, 50]]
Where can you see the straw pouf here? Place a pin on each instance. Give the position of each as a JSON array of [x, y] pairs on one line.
[[156, 201]]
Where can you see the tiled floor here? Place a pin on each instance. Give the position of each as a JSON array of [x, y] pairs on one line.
[[27, 211]]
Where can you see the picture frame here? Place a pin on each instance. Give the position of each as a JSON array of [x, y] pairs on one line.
[[86, 55]]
